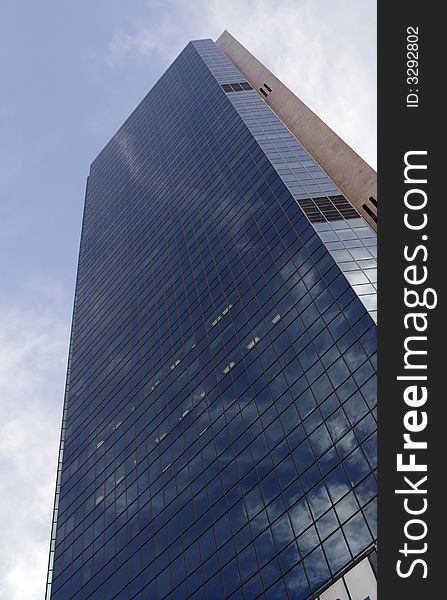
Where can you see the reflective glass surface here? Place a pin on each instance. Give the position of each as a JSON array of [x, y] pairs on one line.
[[351, 241], [219, 419]]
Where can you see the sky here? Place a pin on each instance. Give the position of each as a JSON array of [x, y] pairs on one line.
[[71, 73]]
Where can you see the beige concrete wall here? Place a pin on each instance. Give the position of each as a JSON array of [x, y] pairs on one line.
[[350, 173]]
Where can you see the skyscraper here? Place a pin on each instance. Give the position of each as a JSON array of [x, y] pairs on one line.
[[218, 435]]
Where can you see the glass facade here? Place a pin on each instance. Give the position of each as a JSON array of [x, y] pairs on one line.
[[219, 428]]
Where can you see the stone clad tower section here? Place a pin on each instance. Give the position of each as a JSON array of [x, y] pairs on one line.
[[352, 175], [219, 429]]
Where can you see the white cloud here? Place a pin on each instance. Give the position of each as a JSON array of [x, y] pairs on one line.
[[324, 51], [33, 349]]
